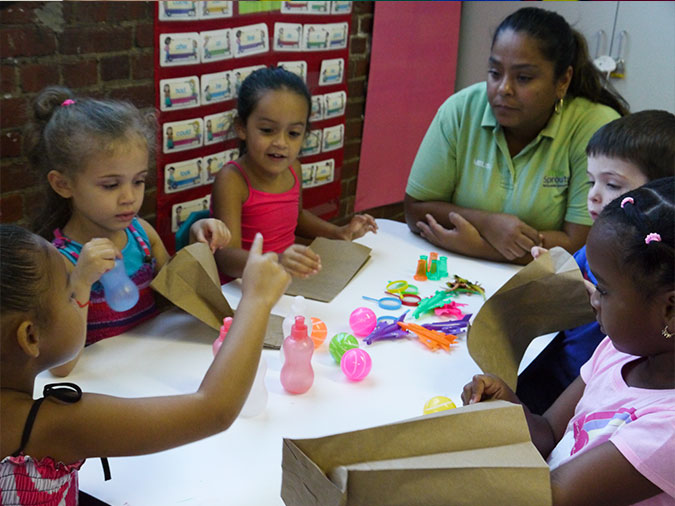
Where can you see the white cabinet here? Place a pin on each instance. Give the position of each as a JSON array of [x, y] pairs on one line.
[[648, 46]]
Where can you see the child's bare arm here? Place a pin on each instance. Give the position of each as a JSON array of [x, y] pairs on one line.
[[101, 425], [97, 257], [229, 193], [157, 248], [602, 475]]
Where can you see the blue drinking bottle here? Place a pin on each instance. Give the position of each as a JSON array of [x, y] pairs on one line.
[[121, 293]]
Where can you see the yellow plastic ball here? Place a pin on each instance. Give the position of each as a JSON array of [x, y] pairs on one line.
[[438, 403]]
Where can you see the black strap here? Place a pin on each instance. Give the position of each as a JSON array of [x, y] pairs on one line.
[[65, 392]]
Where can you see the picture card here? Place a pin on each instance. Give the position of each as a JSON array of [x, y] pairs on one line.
[[217, 87], [178, 11], [335, 104], [219, 127], [287, 37], [181, 211], [318, 173], [179, 49], [216, 45], [315, 37], [215, 162], [211, 9], [317, 108], [180, 93], [242, 73], [182, 135], [341, 7], [305, 7], [250, 39], [312, 143], [333, 137], [299, 68], [332, 71], [180, 176]]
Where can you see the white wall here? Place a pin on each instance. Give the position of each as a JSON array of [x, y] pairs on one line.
[[649, 48]]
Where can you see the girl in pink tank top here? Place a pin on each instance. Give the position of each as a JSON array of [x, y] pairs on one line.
[[261, 192]]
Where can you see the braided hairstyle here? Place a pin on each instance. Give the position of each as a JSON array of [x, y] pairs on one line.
[[65, 131], [634, 218]]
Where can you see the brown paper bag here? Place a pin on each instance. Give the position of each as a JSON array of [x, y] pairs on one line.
[[547, 295], [340, 261], [474, 455], [190, 281]]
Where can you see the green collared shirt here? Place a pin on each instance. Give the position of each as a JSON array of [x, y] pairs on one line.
[[464, 159]]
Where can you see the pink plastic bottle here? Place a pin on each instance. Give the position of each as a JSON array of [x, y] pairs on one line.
[[223, 332], [297, 375]]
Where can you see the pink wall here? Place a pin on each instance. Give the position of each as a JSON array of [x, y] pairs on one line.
[[412, 71]]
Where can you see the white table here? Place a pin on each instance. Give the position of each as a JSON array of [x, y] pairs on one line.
[[242, 466]]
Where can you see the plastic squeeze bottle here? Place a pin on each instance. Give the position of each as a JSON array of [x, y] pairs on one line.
[[227, 321], [298, 308], [297, 375], [120, 292]]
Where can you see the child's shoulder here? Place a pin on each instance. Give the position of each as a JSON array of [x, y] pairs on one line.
[[232, 180]]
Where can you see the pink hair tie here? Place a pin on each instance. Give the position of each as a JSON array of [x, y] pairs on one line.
[[627, 200], [652, 237], [67, 102]]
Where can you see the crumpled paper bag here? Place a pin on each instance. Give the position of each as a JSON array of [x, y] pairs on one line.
[[547, 295], [190, 281]]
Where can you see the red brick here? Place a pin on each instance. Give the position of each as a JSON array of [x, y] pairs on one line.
[[80, 73], [142, 65], [128, 11], [85, 12], [350, 169], [8, 79], [365, 25], [352, 150], [19, 13], [28, 40], [358, 67], [13, 112], [362, 8], [11, 208], [10, 143], [356, 88], [36, 76], [17, 176], [115, 67], [141, 95], [144, 35], [354, 130], [355, 108], [100, 39], [357, 45]]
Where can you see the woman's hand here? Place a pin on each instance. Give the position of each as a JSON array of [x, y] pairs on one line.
[[212, 232], [300, 261], [359, 226], [461, 239], [96, 258], [264, 277], [485, 387], [509, 235], [537, 251]]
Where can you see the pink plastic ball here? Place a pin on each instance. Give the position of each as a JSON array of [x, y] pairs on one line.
[[356, 364], [362, 321]]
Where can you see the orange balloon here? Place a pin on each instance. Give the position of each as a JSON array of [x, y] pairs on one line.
[[319, 332]]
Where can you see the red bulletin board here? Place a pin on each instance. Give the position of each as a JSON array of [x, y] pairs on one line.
[[404, 92], [178, 26]]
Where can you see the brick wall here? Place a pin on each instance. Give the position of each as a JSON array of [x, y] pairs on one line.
[[105, 49]]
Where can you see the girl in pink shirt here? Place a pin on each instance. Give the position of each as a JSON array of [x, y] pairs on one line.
[[610, 436], [261, 191]]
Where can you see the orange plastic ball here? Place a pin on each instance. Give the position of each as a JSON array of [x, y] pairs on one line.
[[319, 332]]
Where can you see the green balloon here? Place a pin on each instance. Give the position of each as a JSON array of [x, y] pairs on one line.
[[340, 343]]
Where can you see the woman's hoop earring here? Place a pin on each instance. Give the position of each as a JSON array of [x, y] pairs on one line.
[[666, 333], [558, 106]]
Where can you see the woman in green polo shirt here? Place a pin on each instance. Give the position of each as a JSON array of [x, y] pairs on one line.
[[503, 166]]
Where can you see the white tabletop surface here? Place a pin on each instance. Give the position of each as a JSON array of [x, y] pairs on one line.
[[242, 466]]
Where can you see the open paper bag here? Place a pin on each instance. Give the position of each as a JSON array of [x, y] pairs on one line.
[[474, 455], [547, 295], [190, 280], [340, 261]]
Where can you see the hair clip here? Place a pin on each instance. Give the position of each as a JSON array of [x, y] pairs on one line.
[[627, 200], [67, 102], [652, 237]]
